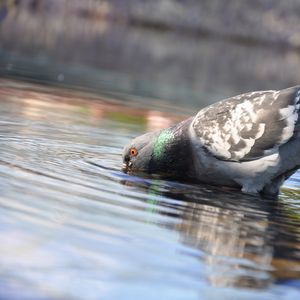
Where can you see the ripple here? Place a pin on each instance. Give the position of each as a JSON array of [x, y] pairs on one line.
[[70, 217]]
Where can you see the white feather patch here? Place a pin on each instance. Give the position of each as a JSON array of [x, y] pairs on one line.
[[231, 128], [290, 115], [241, 118], [297, 99]]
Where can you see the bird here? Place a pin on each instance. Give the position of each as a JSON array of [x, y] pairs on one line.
[[249, 142]]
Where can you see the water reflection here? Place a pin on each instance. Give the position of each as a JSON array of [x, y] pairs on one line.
[[73, 226], [42, 105], [247, 241]]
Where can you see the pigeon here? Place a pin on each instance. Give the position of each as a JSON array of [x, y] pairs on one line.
[[250, 142]]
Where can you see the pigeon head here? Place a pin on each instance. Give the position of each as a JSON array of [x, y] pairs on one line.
[[137, 155], [166, 152]]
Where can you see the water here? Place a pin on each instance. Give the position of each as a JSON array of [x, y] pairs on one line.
[[73, 226]]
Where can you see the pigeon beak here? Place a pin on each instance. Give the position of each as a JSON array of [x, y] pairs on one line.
[[126, 166]]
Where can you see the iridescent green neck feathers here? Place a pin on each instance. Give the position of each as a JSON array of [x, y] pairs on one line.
[[160, 144]]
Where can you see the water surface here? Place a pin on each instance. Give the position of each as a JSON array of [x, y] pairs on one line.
[[73, 226]]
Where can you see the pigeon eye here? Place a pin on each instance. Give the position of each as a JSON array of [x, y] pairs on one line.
[[133, 152]]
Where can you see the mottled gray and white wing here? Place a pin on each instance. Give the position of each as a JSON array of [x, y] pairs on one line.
[[248, 126]]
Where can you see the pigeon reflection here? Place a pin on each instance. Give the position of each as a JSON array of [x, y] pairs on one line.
[[247, 241]]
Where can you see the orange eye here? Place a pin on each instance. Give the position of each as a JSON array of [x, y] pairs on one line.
[[133, 152]]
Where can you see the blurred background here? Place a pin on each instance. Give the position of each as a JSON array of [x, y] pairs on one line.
[[186, 51], [79, 79]]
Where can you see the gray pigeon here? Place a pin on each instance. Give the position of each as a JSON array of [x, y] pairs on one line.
[[250, 141]]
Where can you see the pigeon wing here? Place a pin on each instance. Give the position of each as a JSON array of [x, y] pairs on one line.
[[248, 126]]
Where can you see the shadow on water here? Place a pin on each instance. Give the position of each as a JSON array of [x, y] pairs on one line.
[[73, 226]]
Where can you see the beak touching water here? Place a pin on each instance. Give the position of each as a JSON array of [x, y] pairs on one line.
[[126, 166]]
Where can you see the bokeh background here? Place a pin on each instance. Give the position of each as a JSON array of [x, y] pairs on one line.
[[186, 51], [79, 79]]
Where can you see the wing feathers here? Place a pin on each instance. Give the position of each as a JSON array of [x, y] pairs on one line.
[[248, 126]]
